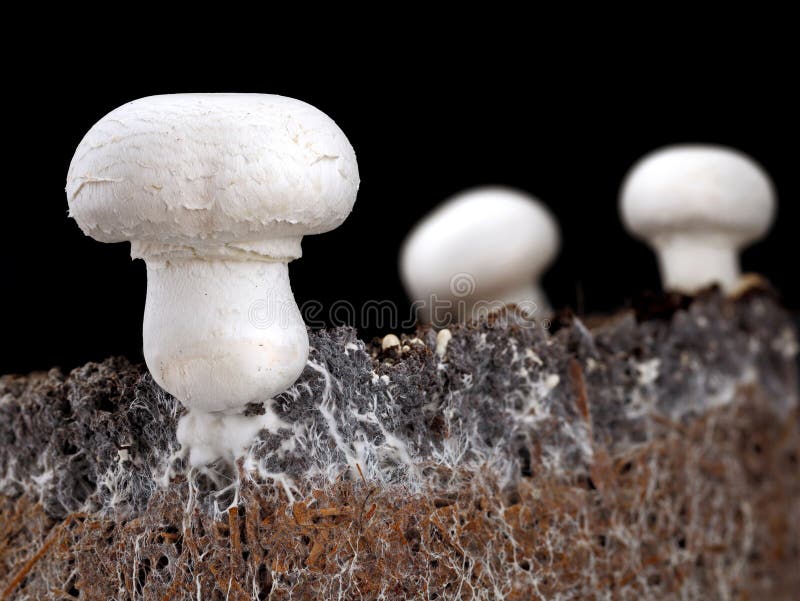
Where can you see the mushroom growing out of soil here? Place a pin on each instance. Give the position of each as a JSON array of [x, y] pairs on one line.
[[481, 249], [215, 192], [697, 206]]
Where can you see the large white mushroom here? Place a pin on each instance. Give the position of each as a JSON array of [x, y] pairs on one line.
[[215, 192], [479, 250], [697, 206]]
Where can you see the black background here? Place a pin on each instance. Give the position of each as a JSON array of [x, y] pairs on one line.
[[422, 130]]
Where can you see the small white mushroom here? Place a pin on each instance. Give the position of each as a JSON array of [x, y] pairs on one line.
[[697, 206], [389, 341], [215, 192], [479, 250], [443, 338]]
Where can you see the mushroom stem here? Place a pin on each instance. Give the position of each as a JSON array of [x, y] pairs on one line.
[[529, 298], [219, 334], [692, 261]]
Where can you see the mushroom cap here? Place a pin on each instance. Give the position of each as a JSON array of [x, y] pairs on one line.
[[499, 237], [697, 188], [194, 169]]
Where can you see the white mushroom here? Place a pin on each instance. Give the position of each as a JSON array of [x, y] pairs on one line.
[[443, 338], [215, 192], [697, 206], [389, 341], [481, 249]]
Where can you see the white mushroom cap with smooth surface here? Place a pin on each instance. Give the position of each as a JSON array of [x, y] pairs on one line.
[[697, 206], [215, 192], [482, 248]]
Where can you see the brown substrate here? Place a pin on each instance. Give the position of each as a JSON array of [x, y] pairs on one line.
[[708, 510]]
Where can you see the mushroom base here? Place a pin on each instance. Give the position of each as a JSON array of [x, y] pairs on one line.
[[477, 305], [206, 437], [530, 299]]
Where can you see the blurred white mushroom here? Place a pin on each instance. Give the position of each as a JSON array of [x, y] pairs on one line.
[[481, 249], [697, 206], [389, 341]]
